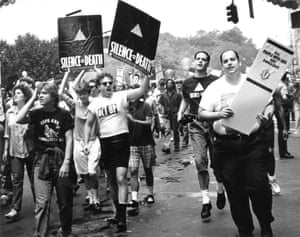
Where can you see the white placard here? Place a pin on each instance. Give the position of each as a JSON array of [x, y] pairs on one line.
[[263, 77]]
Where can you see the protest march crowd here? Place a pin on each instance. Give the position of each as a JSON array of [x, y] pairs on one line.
[[65, 131]]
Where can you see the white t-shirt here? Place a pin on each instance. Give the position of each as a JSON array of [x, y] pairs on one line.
[[218, 95], [111, 114]]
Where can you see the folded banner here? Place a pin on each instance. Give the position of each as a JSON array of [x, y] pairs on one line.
[[264, 75], [134, 37], [80, 42]]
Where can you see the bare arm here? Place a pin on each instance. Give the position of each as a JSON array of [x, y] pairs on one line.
[[78, 79], [136, 93], [63, 83], [88, 127], [212, 115], [64, 169], [22, 113], [148, 120], [182, 108]]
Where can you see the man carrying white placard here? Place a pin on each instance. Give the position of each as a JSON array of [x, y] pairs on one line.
[[239, 157]]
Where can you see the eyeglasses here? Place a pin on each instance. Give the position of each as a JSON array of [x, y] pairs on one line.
[[107, 83]]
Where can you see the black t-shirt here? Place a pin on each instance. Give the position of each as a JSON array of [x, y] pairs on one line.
[[140, 134], [50, 127], [192, 89]]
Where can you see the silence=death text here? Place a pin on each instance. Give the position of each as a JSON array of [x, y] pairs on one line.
[[81, 61], [128, 54]]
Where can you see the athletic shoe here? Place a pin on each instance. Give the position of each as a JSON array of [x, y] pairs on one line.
[[275, 187], [221, 200], [149, 199], [205, 212], [96, 208], [12, 215]]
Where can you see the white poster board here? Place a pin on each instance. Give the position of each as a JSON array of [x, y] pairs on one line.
[[263, 77]]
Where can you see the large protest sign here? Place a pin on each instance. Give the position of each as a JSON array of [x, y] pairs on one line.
[[262, 79], [134, 37], [80, 42]]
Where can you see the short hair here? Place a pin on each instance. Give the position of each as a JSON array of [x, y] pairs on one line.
[[83, 87], [25, 90], [204, 52], [100, 76], [52, 89], [232, 50], [27, 80]]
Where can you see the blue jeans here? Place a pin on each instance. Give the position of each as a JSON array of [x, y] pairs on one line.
[[201, 143], [43, 193]]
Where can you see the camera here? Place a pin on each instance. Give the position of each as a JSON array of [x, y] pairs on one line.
[[187, 118]]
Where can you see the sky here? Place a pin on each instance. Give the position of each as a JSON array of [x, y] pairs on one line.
[[181, 18]]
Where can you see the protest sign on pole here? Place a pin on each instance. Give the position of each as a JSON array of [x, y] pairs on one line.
[[120, 75], [80, 42], [134, 37], [1, 100], [263, 77], [158, 71]]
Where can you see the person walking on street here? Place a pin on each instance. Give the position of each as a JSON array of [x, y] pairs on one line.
[[192, 90], [18, 149], [141, 148], [282, 102], [169, 103], [53, 166], [86, 165], [239, 157], [110, 111]]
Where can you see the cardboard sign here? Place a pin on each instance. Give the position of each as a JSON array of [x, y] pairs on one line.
[[134, 37], [263, 77], [80, 42], [158, 71]]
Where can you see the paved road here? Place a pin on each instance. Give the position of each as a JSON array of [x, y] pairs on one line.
[[178, 204]]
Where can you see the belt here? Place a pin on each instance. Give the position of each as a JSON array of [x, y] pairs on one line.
[[236, 136]]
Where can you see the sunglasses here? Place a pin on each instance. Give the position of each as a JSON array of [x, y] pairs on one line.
[[107, 83]]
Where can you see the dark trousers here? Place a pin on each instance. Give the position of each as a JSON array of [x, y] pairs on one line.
[[244, 174], [17, 171], [175, 128], [282, 141]]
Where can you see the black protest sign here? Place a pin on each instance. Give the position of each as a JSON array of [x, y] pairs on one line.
[[134, 37], [80, 42]]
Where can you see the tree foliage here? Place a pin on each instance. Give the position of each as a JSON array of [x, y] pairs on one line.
[[40, 57]]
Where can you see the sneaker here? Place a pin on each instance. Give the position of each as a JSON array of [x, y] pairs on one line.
[[89, 207], [112, 220], [286, 155], [121, 227], [221, 200], [149, 199], [133, 208], [205, 212], [275, 187], [12, 215], [96, 208], [133, 204]]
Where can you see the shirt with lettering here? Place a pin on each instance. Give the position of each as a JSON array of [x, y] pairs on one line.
[[50, 127], [111, 114]]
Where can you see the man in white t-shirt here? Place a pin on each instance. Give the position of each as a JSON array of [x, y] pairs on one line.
[[238, 157], [110, 111]]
